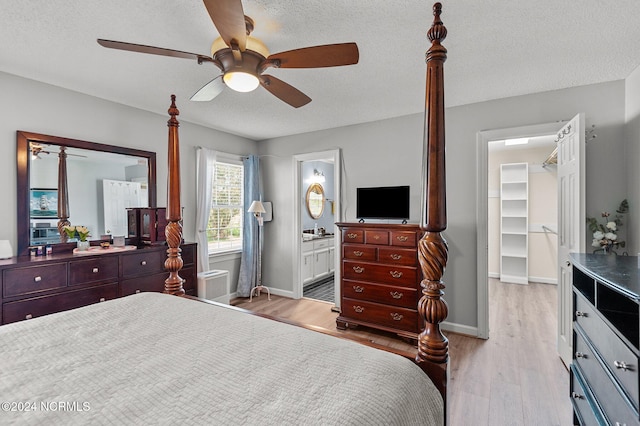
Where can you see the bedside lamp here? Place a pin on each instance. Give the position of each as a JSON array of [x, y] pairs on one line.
[[257, 208]]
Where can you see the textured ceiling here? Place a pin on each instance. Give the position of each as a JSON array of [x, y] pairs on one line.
[[497, 48]]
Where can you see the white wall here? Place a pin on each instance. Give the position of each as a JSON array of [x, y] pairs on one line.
[[389, 152], [41, 108]]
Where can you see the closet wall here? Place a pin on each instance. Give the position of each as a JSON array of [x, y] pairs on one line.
[[543, 202]]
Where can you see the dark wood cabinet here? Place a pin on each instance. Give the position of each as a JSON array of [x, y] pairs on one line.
[[33, 287], [380, 284], [146, 225], [606, 332]]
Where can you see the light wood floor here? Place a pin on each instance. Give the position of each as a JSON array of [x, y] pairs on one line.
[[513, 378]]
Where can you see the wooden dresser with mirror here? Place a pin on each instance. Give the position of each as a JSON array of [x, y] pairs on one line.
[[76, 179]]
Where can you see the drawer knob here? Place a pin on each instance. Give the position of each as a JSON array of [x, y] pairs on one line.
[[358, 269], [143, 263], [575, 395], [95, 270], [37, 279], [621, 365], [28, 316], [358, 253], [376, 237], [358, 288], [358, 309], [137, 291], [402, 238], [352, 235], [396, 316], [102, 299], [396, 294], [581, 355], [396, 274], [396, 256], [581, 314]]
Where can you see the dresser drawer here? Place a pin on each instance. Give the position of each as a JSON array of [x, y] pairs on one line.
[[586, 410], [385, 274], [152, 283], [98, 269], [190, 283], [357, 252], [143, 263], [390, 316], [403, 238], [398, 256], [33, 279], [613, 351], [188, 254], [39, 306], [615, 406], [376, 237], [395, 296], [350, 235]]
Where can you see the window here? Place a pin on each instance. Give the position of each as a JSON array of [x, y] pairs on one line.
[[224, 231]]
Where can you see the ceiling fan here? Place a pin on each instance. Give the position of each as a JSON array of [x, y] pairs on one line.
[[243, 58], [37, 149]]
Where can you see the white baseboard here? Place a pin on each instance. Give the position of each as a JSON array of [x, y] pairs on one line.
[[459, 328], [276, 291], [543, 280], [494, 275]]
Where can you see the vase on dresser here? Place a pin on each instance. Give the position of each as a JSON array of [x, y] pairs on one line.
[[82, 245]]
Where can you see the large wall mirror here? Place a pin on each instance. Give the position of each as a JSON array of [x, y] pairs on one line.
[[98, 181]]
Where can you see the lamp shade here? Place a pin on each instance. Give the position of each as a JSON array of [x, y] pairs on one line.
[[5, 249], [256, 207]]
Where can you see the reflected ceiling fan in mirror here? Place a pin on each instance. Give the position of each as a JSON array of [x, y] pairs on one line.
[[243, 58], [37, 150]]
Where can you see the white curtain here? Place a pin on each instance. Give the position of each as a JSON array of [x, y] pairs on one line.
[[206, 160]]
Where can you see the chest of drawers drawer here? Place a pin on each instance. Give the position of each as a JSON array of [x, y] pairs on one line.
[[619, 359], [143, 263], [398, 256], [379, 273], [376, 237], [617, 408], [153, 283], [39, 306], [403, 238], [97, 269], [389, 316], [586, 410], [33, 279], [359, 252], [353, 236], [389, 295]]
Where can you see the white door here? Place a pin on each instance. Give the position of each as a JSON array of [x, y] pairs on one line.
[[571, 223], [118, 196]]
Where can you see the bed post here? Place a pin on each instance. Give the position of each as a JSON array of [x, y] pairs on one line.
[[63, 195], [173, 231], [433, 347]]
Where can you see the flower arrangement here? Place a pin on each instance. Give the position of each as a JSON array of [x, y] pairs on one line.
[[81, 232], [605, 235]]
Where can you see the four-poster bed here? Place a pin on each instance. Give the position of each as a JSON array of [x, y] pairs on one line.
[[157, 358]]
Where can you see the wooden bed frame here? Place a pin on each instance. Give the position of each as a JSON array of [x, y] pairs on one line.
[[433, 347]]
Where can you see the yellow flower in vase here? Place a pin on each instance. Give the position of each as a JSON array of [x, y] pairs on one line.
[[83, 233], [70, 231]]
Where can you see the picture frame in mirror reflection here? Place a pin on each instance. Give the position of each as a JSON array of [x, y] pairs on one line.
[[43, 203]]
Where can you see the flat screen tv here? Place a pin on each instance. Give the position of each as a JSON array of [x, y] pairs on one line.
[[386, 202]]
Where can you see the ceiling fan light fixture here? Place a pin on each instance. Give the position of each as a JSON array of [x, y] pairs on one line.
[[241, 81]]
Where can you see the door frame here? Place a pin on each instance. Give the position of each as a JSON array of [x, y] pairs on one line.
[[336, 156], [482, 216]]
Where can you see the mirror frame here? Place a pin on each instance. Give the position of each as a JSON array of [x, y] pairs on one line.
[[311, 189], [23, 170]]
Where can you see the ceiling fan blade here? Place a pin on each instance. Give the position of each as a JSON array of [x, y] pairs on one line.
[[121, 45], [228, 18], [285, 92], [328, 55], [209, 90]]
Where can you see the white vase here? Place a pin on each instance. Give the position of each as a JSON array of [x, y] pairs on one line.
[[83, 245]]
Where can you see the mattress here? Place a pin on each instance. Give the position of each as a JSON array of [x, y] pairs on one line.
[[152, 358]]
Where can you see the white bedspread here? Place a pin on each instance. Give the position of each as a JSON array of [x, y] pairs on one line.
[[157, 359]]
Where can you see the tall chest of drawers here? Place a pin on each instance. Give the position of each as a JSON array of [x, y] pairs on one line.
[[380, 279], [606, 332], [34, 287]]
